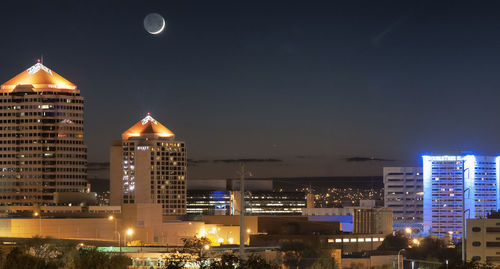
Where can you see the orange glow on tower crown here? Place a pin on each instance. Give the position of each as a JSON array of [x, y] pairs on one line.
[[147, 126], [41, 78]]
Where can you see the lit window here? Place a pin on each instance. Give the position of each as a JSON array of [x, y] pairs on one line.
[[375, 239]]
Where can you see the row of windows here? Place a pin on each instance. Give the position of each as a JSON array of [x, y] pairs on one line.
[[42, 100], [58, 141], [44, 176], [51, 107], [37, 115], [19, 135]]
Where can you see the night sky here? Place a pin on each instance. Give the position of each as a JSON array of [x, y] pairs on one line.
[[298, 86]]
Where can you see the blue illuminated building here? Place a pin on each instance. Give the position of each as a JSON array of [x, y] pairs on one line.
[[446, 178]]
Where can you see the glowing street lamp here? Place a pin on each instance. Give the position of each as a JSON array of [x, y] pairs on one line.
[[130, 231], [408, 231], [112, 218], [37, 214]]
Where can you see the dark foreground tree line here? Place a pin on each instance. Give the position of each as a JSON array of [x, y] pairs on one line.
[[48, 253], [431, 249]]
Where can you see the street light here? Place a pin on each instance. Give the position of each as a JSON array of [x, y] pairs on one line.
[[36, 214], [112, 218], [399, 253], [408, 231], [129, 232]]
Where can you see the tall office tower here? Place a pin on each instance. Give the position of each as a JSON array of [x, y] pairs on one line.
[[446, 178], [404, 194], [43, 158], [149, 166]]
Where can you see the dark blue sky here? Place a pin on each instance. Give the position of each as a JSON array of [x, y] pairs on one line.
[[306, 82]]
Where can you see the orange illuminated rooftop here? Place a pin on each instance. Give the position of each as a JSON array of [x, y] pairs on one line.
[[40, 78], [147, 127]]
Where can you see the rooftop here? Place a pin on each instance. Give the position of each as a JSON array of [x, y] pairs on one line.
[[40, 78], [148, 126]]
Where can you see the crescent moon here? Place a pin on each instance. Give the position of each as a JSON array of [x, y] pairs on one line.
[[162, 27]]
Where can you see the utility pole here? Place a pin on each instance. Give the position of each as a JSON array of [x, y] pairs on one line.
[[463, 210], [242, 212]]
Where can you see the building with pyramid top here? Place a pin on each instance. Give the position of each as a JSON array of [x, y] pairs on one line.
[[148, 166], [42, 152]]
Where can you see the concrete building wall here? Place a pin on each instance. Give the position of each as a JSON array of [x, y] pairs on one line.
[[403, 193], [328, 211], [483, 240], [372, 221], [143, 177], [90, 228], [115, 174]]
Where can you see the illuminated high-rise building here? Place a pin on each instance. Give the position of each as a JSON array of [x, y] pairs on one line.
[[403, 193], [149, 166], [43, 158], [450, 179]]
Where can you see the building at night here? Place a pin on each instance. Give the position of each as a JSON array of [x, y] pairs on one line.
[[201, 202], [43, 158], [372, 221], [483, 242], [446, 178], [404, 194], [222, 197], [148, 166]]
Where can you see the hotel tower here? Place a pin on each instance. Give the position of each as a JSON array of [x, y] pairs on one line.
[[148, 166], [43, 158], [456, 187]]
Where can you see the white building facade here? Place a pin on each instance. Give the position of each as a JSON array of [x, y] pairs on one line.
[[149, 166], [403, 193], [450, 179]]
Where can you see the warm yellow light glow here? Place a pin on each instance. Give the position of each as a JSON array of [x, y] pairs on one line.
[[220, 240], [248, 230], [207, 247], [231, 240], [41, 78], [148, 125], [416, 242], [130, 231], [110, 217], [408, 230], [36, 214], [203, 232]]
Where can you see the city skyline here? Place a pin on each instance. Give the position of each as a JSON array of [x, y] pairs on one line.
[[333, 89]]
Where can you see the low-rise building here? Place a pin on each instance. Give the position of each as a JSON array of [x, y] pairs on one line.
[[483, 239]]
